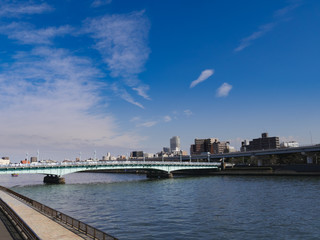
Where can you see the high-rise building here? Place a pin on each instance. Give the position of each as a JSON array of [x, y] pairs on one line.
[[175, 144]]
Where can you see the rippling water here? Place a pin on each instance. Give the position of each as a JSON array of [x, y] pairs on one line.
[[216, 207]]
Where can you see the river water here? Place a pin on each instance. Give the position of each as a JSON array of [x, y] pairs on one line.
[[130, 206]]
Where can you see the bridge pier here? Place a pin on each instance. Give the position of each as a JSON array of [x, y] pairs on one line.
[[53, 179], [159, 174]]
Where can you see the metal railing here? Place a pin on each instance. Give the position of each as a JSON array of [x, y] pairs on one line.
[[82, 227], [21, 226]]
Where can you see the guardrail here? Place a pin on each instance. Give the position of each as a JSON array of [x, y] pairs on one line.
[[82, 227], [22, 227]]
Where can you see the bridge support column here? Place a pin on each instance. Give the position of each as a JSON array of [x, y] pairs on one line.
[[53, 179], [159, 174]]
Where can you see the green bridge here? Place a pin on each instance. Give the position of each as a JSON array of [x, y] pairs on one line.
[[154, 169]]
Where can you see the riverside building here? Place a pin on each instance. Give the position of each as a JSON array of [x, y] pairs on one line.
[[209, 145], [265, 142]]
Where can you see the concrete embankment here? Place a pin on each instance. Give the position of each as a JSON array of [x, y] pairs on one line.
[[272, 170]]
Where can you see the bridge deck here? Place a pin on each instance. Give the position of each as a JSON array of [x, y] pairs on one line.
[[43, 226]]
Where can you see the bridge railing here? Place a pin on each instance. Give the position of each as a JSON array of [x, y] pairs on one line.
[[82, 227]]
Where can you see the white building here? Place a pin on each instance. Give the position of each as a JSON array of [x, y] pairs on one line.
[[4, 161], [289, 144], [148, 155]]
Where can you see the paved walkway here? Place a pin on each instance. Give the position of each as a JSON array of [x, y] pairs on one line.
[[43, 226]]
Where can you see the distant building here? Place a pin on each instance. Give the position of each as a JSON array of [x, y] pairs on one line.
[[175, 143], [121, 157], [148, 155], [202, 146], [5, 161], [106, 157], [25, 161], [184, 153], [220, 147], [265, 142], [136, 154], [244, 145], [209, 145], [289, 144], [166, 150]]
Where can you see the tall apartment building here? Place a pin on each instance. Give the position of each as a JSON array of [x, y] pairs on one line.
[[265, 142], [211, 145], [175, 144]]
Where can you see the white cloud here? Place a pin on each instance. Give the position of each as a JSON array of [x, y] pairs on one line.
[[223, 90], [167, 118], [122, 41], [26, 34], [48, 100], [99, 3], [187, 112], [203, 76], [14, 9]]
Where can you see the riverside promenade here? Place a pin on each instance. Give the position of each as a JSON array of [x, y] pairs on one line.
[[30, 219], [42, 226]]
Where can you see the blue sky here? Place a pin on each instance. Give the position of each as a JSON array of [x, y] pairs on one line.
[[119, 75]]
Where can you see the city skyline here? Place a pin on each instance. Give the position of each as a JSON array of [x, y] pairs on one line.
[[116, 76]]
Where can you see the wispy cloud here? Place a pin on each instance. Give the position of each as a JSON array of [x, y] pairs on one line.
[[17, 9], [245, 42], [99, 3], [135, 119], [284, 11], [265, 28], [223, 90], [122, 92], [142, 91], [203, 76], [167, 118], [26, 33], [122, 42], [148, 124], [187, 112]]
